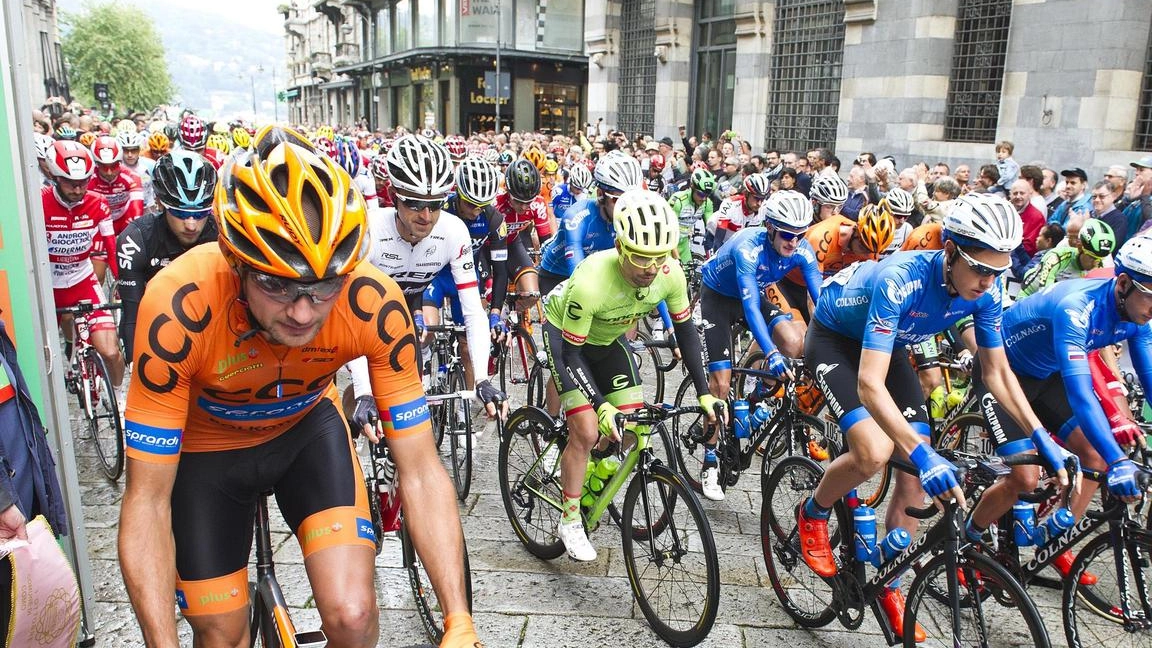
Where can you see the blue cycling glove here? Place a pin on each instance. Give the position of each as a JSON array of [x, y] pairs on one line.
[[1055, 456], [937, 474], [1122, 478], [418, 323], [775, 364], [496, 323]]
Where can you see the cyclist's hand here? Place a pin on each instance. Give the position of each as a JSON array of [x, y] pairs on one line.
[[937, 474], [418, 324], [495, 401], [711, 406], [365, 418], [459, 632], [606, 415], [776, 365], [1122, 480], [675, 347], [1057, 458], [496, 324], [964, 359], [1128, 434]]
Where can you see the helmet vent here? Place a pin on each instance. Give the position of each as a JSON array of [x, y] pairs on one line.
[[252, 198], [345, 251], [313, 211], [240, 240]]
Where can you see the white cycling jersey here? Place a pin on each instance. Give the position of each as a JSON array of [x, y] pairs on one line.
[[144, 167], [414, 266]]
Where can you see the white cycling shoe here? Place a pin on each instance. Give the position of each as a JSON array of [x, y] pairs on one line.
[[576, 541], [710, 484]]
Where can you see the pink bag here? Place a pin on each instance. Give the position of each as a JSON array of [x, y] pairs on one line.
[[45, 603]]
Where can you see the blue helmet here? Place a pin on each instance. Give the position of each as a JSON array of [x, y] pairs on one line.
[[184, 180], [348, 156]]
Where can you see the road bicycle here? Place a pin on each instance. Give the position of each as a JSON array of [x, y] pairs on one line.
[[669, 552], [518, 361], [388, 518], [451, 414], [87, 378], [960, 596]]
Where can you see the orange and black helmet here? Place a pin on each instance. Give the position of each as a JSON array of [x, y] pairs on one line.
[[286, 211], [536, 157], [876, 228]]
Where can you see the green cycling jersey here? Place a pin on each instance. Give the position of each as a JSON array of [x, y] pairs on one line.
[[1057, 264], [692, 217]]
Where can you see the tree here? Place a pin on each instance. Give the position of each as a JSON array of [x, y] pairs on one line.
[[117, 45]]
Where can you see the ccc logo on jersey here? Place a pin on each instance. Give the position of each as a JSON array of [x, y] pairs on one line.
[[403, 346], [168, 339]]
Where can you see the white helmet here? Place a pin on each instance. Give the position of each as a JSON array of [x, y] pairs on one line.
[[43, 145], [1135, 259], [130, 139], [757, 184], [900, 202], [644, 222], [420, 166], [477, 181], [617, 172], [829, 190], [789, 210], [580, 177], [491, 156], [984, 221]]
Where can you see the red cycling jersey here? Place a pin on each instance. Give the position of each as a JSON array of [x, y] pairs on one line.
[[213, 156], [536, 215], [75, 235], [125, 196]]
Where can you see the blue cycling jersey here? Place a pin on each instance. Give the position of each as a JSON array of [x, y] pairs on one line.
[[562, 199], [1053, 331], [903, 299], [749, 254], [582, 232]]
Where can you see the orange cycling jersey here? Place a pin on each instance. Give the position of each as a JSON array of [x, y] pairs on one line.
[[203, 382], [928, 236], [824, 237]]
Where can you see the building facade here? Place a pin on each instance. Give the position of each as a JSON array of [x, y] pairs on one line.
[[44, 61], [433, 64], [1068, 81]]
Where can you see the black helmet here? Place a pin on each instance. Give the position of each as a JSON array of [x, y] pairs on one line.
[[522, 180], [184, 180]]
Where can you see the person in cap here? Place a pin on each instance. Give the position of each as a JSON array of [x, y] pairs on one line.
[[1078, 200]]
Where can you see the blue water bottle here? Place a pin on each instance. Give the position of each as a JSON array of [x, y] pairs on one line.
[[864, 521], [1054, 527], [758, 416], [740, 416], [1023, 524], [896, 541]]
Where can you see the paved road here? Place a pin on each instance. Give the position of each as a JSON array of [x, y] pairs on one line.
[[520, 601]]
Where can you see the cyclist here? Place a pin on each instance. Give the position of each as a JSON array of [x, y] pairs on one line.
[[740, 211], [412, 244], [233, 397], [586, 318], [523, 209], [733, 280], [158, 144], [901, 204], [379, 167], [193, 136], [80, 235], [119, 186], [43, 149], [184, 184], [579, 183], [349, 157], [1097, 241], [863, 313], [693, 209], [828, 193], [130, 144]]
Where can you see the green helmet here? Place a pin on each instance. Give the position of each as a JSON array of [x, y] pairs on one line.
[[1097, 238], [703, 181]]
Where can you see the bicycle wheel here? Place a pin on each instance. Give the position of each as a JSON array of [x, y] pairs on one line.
[[967, 432], [1006, 618], [516, 363], [1095, 615], [689, 432], [661, 443], [529, 472], [673, 570], [804, 595], [455, 419], [104, 420], [427, 605], [536, 386], [648, 363]]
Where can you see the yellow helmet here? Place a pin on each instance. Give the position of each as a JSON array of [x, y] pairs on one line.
[[536, 157], [87, 139], [220, 142], [291, 213], [551, 167], [241, 138], [326, 132], [158, 143], [876, 228]]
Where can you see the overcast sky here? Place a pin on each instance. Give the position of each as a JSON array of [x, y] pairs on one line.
[[259, 14]]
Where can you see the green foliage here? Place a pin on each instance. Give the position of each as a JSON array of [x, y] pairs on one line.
[[118, 45]]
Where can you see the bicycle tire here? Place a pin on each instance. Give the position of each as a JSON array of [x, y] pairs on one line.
[[804, 596], [457, 425], [534, 521], [516, 362], [109, 439], [688, 438], [1091, 614], [370, 481], [427, 605], [648, 357], [671, 493], [537, 393], [991, 598]]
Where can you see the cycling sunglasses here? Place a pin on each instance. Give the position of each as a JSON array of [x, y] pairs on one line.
[[645, 261], [286, 291], [190, 214], [415, 204], [1141, 287], [982, 269]]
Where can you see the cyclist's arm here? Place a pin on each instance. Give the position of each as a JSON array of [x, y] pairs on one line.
[[575, 225], [132, 260], [475, 319], [1072, 354], [498, 261], [106, 232], [1140, 347], [1044, 273], [146, 549], [135, 207], [813, 278], [750, 297]]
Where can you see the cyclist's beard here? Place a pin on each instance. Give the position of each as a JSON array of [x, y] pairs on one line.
[[66, 203]]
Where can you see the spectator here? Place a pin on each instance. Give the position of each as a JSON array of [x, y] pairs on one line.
[[665, 149], [1035, 177], [1117, 177], [729, 181], [803, 175], [818, 160], [1139, 209], [1049, 237], [857, 192], [772, 164], [989, 180], [1020, 195], [1052, 198], [715, 162], [1076, 199], [938, 171], [1104, 208], [944, 191], [1006, 167], [834, 164]]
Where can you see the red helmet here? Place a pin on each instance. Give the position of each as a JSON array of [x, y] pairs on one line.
[[192, 132], [68, 159], [106, 150], [457, 146], [326, 146], [656, 162], [380, 167]]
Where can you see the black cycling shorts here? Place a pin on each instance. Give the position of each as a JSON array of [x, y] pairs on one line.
[[1048, 399], [519, 261], [315, 475], [797, 296], [718, 313], [834, 361], [613, 369], [549, 280]]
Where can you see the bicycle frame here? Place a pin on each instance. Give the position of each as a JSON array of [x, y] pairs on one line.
[[270, 617]]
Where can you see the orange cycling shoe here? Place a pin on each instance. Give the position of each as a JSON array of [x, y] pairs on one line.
[[1063, 564], [892, 602], [814, 545], [817, 451]]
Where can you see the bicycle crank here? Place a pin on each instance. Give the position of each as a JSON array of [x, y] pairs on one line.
[[848, 599]]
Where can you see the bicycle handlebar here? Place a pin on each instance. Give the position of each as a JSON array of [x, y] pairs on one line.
[[445, 328], [650, 414], [81, 308]]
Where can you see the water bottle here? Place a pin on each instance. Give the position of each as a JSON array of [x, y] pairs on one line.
[[759, 416], [864, 521], [588, 498], [1054, 527], [740, 416], [606, 469], [896, 541], [388, 497], [1023, 524]]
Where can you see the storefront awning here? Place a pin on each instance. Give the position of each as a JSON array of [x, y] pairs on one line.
[[447, 54]]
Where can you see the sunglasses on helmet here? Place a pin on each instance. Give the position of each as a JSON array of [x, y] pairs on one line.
[[287, 291]]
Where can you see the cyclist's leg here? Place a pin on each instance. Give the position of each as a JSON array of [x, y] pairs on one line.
[[717, 313], [321, 494], [547, 282], [787, 331], [523, 273], [904, 386]]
